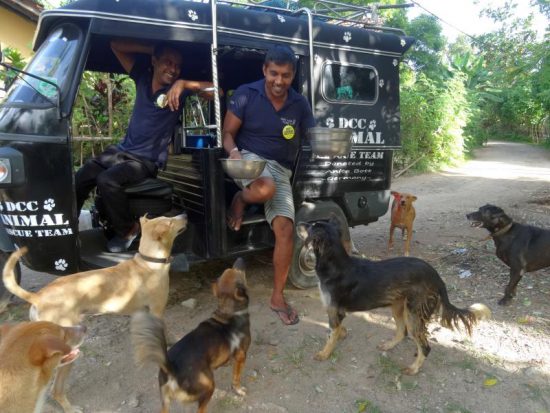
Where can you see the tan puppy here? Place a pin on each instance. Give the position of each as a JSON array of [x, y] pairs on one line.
[[123, 289], [29, 354], [402, 216]]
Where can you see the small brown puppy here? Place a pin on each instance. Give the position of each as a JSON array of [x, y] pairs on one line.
[[402, 216], [29, 354], [187, 369], [123, 289]]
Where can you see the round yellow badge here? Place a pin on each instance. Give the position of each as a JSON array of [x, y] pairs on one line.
[[288, 132]]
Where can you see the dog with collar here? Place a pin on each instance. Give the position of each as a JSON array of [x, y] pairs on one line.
[[402, 217], [125, 288], [521, 247], [187, 369], [410, 286]]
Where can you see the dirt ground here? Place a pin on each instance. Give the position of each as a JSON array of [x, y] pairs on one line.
[[503, 367]]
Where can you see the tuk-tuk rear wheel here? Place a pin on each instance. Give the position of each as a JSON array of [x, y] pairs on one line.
[[5, 295], [302, 269]]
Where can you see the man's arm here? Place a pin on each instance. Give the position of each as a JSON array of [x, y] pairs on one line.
[[194, 86], [231, 126], [126, 50]]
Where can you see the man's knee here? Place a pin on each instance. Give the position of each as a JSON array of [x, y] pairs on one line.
[[283, 228], [106, 183], [264, 188]]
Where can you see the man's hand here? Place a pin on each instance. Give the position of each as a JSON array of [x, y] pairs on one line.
[[174, 94], [235, 154]]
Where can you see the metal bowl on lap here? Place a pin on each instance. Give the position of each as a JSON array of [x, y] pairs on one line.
[[243, 169], [330, 141]]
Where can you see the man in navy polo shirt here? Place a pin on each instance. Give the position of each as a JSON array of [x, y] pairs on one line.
[[159, 94], [265, 120]]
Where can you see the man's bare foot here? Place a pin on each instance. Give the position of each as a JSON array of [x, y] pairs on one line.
[[236, 212]]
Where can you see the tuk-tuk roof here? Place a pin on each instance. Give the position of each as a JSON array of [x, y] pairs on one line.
[[250, 26]]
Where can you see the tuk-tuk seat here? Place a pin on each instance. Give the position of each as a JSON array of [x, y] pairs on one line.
[[150, 187]]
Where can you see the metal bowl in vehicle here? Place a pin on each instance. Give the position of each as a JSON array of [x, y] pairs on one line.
[[243, 169], [330, 141]]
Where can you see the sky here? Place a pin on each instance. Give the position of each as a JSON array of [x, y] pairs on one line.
[[464, 15]]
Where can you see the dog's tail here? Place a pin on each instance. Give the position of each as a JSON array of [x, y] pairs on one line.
[[10, 282], [149, 340], [451, 316]]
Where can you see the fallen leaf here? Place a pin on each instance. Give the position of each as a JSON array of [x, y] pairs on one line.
[[490, 382]]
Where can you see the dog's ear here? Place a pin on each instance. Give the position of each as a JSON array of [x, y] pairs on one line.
[[46, 347], [302, 230], [414, 198], [143, 220], [240, 292]]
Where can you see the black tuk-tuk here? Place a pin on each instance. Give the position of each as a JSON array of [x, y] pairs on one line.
[[348, 69]]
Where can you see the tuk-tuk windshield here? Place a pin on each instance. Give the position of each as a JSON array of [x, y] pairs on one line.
[[53, 61]]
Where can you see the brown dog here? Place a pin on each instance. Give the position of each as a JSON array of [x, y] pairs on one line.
[[187, 369], [402, 216], [123, 289], [29, 354]]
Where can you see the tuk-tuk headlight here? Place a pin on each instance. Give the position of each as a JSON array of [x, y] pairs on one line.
[[5, 171]]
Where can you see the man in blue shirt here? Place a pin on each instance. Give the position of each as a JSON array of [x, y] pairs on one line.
[[159, 95], [265, 120]]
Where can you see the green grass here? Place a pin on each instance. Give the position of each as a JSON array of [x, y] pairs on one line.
[[366, 406]]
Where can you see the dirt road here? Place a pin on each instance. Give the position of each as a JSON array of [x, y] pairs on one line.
[[503, 367]]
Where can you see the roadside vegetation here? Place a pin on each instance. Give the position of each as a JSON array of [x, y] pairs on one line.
[[454, 95]]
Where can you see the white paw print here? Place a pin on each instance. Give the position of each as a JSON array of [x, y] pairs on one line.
[[372, 124], [403, 42], [381, 82], [61, 264], [394, 62], [281, 18], [49, 204], [329, 122], [347, 36], [192, 14]]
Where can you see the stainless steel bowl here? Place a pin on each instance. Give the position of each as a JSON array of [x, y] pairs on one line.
[[330, 141], [242, 169]]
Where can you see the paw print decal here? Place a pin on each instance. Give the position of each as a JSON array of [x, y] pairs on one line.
[[281, 18], [394, 62], [61, 264], [381, 83], [403, 42], [372, 125], [347, 36], [329, 122], [49, 204], [192, 14]]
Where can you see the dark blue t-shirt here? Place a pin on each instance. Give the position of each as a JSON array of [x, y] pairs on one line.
[[268, 133], [151, 127]]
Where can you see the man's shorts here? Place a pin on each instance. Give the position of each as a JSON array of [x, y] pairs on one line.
[[282, 203]]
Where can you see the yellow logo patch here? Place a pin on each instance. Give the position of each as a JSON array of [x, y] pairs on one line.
[[288, 132]]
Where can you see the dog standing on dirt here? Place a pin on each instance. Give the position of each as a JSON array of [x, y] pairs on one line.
[[411, 286], [187, 369], [402, 216], [30, 352], [127, 287], [523, 248]]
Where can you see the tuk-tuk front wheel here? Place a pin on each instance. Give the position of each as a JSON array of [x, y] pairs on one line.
[[5, 295], [302, 269]]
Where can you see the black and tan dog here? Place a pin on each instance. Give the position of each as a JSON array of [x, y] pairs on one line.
[[523, 248], [187, 369], [412, 288]]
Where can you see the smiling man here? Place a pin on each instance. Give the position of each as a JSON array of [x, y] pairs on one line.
[[159, 94], [265, 120]]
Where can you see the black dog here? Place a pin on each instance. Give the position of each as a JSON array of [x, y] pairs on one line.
[[523, 248], [187, 369], [412, 288]]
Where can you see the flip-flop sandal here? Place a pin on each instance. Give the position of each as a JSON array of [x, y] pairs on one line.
[[288, 312]]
